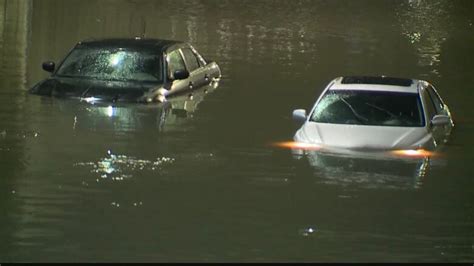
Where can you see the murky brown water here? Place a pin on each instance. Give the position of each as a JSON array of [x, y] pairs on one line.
[[198, 180]]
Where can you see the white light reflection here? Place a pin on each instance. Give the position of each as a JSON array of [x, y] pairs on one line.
[[110, 111], [308, 231], [75, 122], [426, 25], [90, 99], [117, 58], [122, 167], [421, 172]]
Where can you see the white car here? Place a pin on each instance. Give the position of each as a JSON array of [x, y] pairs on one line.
[[360, 113]]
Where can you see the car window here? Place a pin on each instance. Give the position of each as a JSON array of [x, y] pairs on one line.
[[199, 57], [112, 64], [175, 62], [191, 59], [201, 60], [430, 106], [378, 108], [438, 103]]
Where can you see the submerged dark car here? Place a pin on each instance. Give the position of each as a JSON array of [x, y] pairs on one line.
[[127, 70]]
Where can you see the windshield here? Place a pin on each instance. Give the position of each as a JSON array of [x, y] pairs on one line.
[[378, 108], [112, 64]]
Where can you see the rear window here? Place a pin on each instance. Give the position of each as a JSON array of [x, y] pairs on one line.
[[375, 108]]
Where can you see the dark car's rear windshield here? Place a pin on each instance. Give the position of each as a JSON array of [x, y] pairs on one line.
[[112, 64], [376, 108]]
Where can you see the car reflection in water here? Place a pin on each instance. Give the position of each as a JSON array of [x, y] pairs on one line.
[[367, 169], [370, 173], [93, 115]]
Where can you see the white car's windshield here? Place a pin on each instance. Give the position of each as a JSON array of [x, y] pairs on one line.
[[380, 108], [112, 64]]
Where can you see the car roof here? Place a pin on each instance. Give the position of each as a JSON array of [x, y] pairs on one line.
[[376, 83], [135, 43]]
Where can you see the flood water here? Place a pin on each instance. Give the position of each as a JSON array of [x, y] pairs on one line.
[[198, 180]]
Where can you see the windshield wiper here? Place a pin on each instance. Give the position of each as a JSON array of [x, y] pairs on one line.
[[67, 76], [382, 110], [357, 115]]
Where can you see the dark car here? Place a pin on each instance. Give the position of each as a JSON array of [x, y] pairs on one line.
[[127, 70]]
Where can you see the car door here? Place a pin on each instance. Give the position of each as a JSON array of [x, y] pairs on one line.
[[198, 75], [175, 62], [210, 68]]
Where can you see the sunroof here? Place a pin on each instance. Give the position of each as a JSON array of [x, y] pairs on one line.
[[382, 80]]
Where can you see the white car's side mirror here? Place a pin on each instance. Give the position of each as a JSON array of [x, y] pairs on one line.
[[299, 115], [440, 120]]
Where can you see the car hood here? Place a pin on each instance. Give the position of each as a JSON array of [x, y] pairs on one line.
[[113, 91], [363, 137]]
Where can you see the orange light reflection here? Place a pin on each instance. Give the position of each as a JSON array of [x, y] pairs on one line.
[[413, 153], [297, 145], [420, 153]]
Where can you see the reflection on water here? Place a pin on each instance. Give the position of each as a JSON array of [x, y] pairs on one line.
[[90, 115], [369, 173], [398, 169], [426, 24], [120, 167]]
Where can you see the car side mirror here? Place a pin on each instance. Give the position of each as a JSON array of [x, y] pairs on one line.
[[299, 115], [180, 74], [48, 66], [440, 120]]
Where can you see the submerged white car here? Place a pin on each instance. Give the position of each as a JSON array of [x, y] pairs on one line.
[[360, 113]]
